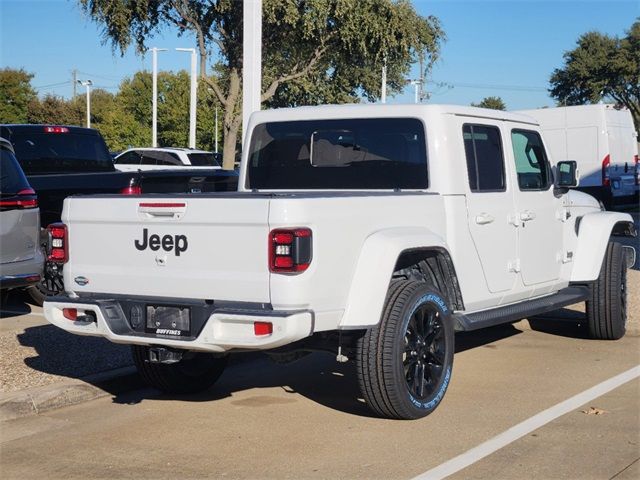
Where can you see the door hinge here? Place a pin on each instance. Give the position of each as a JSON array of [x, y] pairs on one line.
[[567, 257], [514, 265]]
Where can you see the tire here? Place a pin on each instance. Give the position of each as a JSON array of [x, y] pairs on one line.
[[196, 372], [404, 363], [607, 305], [51, 284]]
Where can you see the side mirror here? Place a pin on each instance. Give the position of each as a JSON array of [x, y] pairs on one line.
[[567, 174]]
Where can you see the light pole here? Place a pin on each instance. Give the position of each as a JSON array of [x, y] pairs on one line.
[[251, 60], [192, 99], [417, 85], [154, 101], [87, 83], [216, 127]]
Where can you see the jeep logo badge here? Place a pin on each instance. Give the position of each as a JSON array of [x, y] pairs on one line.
[[175, 243], [82, 281]]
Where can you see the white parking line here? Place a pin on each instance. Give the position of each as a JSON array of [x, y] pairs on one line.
[[514, 433]]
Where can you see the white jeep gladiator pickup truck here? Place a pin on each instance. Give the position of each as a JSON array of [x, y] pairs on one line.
[[371, 231]]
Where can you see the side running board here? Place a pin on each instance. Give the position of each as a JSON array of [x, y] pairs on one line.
[[518, 311]]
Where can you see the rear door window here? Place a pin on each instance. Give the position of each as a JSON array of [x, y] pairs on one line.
[[485, 158], [129, 158]]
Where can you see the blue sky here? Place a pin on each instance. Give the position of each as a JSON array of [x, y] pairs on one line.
[[505, 48]]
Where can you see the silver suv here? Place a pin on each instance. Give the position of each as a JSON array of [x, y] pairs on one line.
[[21, 258]]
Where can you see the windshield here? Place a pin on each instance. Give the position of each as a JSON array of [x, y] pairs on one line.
[[203, 159], [374, 154], [61, 152]]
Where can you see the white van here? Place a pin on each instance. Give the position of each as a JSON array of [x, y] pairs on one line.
[[602, 139]]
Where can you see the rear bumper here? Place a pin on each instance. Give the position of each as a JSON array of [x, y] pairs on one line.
[[22, 273], [17, 281], [215, 327]]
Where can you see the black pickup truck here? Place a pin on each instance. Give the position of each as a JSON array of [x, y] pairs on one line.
[[60, 161]]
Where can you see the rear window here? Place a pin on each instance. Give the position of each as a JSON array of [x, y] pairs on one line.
[[60, 152], [367, 154], [12, 180], [203, 159]]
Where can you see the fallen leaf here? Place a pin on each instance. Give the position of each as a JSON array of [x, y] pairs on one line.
[[594, 411]]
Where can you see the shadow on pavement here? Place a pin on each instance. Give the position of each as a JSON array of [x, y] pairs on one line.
[[562, 323], [15, 303], [74, 356], [317, 377]]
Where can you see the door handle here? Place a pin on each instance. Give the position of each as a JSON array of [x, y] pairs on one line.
[[484, 218], [527, 216]]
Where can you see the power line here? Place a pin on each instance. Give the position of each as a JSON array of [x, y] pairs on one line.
[[51, 85], [517, 88], [103, 77]]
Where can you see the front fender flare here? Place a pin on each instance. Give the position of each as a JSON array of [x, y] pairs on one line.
[[375, 266], [593, 236]]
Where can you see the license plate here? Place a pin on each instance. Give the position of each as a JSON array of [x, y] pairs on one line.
[[170, 321]]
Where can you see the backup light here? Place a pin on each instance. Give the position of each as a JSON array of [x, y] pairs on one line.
[[58, 251], [290, 250]]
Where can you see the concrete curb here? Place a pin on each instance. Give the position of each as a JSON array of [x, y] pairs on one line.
[[69, 392]]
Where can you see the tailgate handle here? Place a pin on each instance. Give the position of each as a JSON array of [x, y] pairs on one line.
[[162, 209]]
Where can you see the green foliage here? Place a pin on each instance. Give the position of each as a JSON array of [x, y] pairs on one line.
[[495, 103], [314, 51], [53, 109], [15, 95], [599, 67]]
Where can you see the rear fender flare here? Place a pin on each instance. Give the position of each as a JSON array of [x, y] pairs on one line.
[[594, 231], [374, 269]]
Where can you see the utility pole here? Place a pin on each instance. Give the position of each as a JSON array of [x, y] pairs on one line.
[[421, 95], [383, 92], [192, 97], [74, 81], [251, 60], [87, 83], [154, 95]]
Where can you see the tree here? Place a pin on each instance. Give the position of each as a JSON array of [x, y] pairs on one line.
[[495, 103], [599, 67], [314, 51], [16, 93], [53, 109]]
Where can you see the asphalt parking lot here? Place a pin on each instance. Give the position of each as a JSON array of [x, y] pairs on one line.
[[305, 420], [535, 399]]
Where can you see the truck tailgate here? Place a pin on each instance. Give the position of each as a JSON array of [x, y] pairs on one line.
[[205, 247]]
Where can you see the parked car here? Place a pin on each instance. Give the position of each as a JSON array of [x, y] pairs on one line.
[[21, 259], [163, 158], [602, 139], [60, 161], [373, 232]]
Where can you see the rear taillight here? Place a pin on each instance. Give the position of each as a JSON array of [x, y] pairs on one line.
[[636, 162], [59, 243], [290, 250], [56, 130], [131, 190], [606, 180], [24, 199]]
